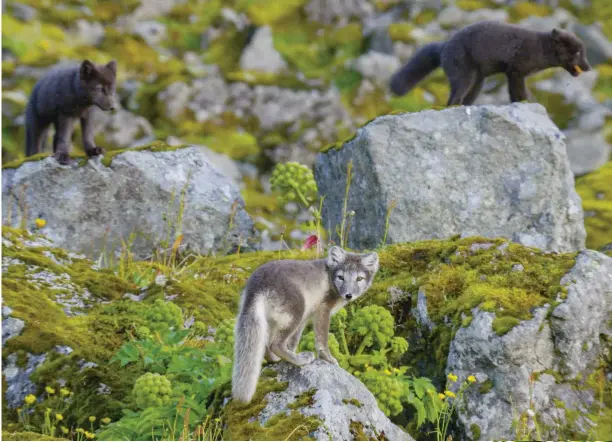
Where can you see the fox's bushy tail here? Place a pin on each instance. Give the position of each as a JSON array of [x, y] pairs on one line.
[[250, 340], [418, 67]]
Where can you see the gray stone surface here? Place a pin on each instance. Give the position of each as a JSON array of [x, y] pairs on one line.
[[260, 54], [569, 343], [492, 171], [332, 385], [95, 207]]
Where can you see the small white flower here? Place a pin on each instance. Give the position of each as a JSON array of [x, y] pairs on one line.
[[161, 280], [531, 413]]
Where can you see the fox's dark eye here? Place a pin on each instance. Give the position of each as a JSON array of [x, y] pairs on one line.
[[340, 277], [360, 278], [99, 88]]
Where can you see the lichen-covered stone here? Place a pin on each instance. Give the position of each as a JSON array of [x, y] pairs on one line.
[[440, 174], [147, 195], [331, 394], [566, 337]]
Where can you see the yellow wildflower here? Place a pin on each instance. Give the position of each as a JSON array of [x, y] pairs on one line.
[[451, 377], [450, 393], [441, 396], [217, 419], [50, 390], [59, 417], [471, 379], [64, 391], [106, 420], [40, 223], [396, 370], [30, 399], [80, 430], [92, 419], [387, 372], [89, 435], [65, 430]]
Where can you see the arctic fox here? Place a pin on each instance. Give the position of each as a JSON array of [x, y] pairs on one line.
[[280, 298], [63, 96], [486, 48]]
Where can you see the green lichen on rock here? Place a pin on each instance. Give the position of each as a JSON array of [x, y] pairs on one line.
[[595, 189], [241, 419], [352, 401], [304, 400], [486, 386], [475, 430]]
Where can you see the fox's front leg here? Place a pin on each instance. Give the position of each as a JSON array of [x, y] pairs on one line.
[[88, 134], [321, 328], [63, 139]]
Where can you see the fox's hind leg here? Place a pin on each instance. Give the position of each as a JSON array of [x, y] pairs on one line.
[[294, 339], [474, 92], [279, 345], [63, 138], [460, 73]]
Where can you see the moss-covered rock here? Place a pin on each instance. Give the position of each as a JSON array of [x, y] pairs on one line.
[[595, 189]]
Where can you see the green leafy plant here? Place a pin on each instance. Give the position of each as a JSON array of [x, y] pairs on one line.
[[182, 369]]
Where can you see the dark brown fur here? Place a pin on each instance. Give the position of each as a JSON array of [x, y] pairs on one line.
[[486, 48], [64, 95]]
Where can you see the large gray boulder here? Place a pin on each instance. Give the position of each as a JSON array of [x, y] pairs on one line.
[[537, 367], [91, 208], [493, 171], [338, 400]]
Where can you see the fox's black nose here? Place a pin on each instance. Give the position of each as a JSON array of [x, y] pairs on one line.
[[348, 296], [112, 108]]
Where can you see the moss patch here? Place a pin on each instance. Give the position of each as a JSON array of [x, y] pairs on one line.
[[352, 401], [486, 386], [475, 430], [304, 400], [291, 425], [27, 435], [595, 189]]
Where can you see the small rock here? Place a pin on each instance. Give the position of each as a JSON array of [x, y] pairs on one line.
[[88, 33], [11, 327], [152, 32], [23, 12], [260, 54], [518, 268], [377, 66]]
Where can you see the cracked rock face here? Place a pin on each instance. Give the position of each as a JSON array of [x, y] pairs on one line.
[[492, 171], [534, 367], [97, 206]]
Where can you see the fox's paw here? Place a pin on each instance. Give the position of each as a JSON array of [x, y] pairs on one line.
[[329, 358], [94, 151], [62, 158], [305, 358]]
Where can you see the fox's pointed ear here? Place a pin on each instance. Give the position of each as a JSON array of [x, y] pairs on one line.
[[370, 261], [335, 257], [556, 33], [88, 70], [112, 65]]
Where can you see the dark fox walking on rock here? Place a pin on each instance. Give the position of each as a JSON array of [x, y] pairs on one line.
[[63, 95], [488, 48]]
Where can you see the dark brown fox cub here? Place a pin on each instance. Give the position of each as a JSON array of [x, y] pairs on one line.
[[63, 95], [488, 48]]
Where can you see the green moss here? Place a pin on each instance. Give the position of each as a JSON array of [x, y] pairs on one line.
[[524, 9], [558, 109], [262, 12], [304, 400], [239, 423], [595, 190], [27, 435], [465, 322], [426, 16], [352, 401], [475, 430], [255, 78], [473, 5], [401, 32], [357, 429], [504, 324], [486, 386]]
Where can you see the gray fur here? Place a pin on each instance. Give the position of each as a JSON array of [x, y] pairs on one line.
[[281, 297], [486, 48]]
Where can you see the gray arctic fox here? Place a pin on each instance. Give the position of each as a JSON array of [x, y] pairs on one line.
[[280, 298]]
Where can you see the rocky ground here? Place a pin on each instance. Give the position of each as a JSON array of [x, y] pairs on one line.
[[121, 275], [259, 84]]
